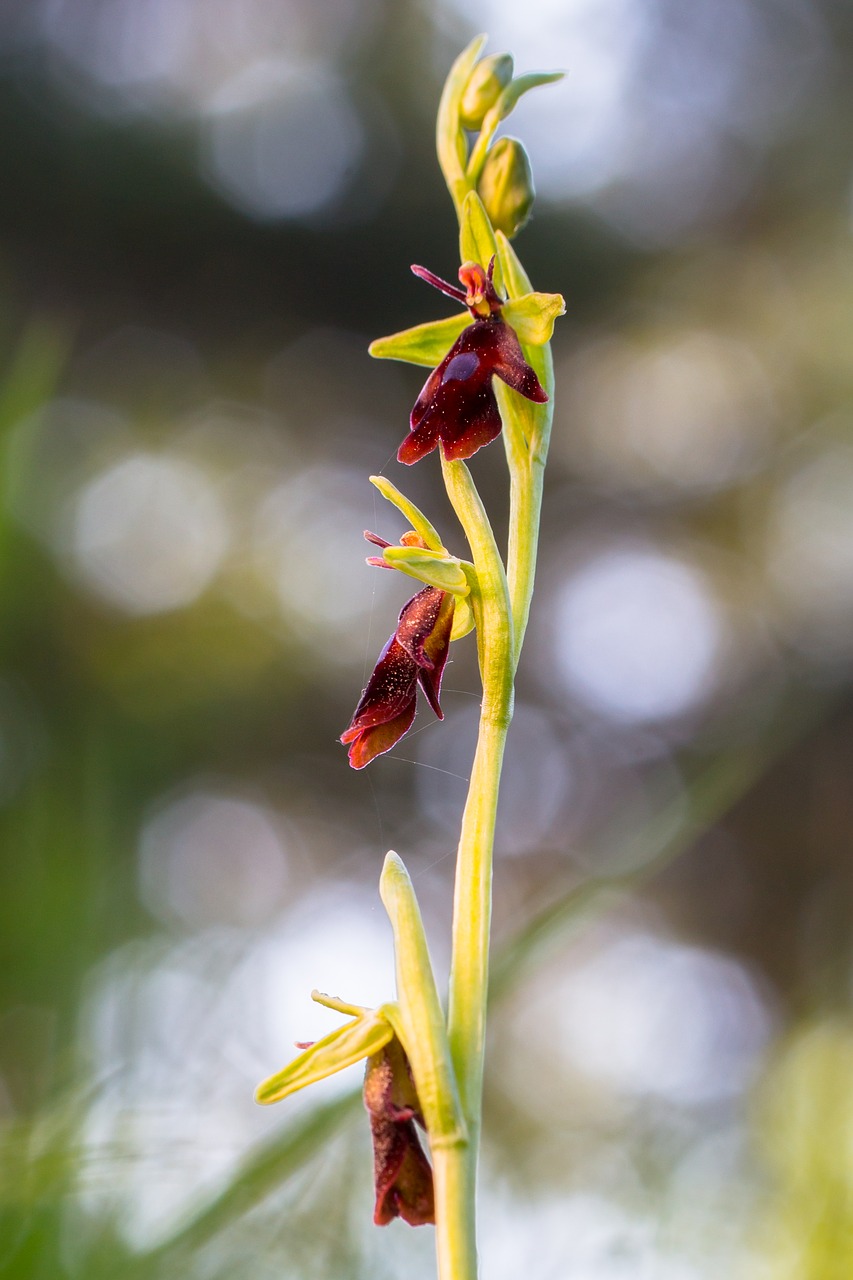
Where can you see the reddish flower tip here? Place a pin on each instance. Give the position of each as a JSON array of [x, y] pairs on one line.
[[375, 539], [452, 290]]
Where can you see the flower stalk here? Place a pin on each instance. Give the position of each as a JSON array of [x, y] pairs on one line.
[[501, 610], [491, 373]]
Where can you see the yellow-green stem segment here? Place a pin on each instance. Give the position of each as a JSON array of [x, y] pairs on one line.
[[472, 908], [501, 607]]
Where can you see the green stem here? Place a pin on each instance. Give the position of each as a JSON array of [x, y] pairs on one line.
[[469, 971], [453, 1168], [502, 607], [480, 150]]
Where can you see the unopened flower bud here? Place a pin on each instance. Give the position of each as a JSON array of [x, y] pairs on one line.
[[506, 186], [488, 81]]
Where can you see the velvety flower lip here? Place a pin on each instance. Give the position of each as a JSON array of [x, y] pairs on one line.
[[402, 1174], [415, 654], [457, 404]]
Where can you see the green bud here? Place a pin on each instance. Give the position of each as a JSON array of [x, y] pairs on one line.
[[485, 85], [506, 186]]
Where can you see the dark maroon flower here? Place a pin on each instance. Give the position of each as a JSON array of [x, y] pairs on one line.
[[402, 1173], [457, 404], [415, 654]]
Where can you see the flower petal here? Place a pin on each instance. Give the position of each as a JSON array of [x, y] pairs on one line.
[[418, 443], [481, 425], [402, 1175], [457, 404], [436, 649], [389, 689], [451, 290]]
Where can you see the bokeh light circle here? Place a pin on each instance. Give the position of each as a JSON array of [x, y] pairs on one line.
[[637, 634]]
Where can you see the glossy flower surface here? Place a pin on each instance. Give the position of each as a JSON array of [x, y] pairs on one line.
[[402, 1173], [457, 404], [414, 655]]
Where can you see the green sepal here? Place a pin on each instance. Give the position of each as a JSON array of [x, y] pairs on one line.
[[425, 344], [435, 568], [523, 84], [413, 514], [463, 619], [357, 1039], [477, 241], [532, 316]]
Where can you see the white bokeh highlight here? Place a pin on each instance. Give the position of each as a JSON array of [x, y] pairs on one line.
[[690, 410], [282, 141], [208, 858], [657, 1018], [574, 1236], [637, 634], [148, 534]]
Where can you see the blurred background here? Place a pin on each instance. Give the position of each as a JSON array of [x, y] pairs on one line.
[[209, 209]]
